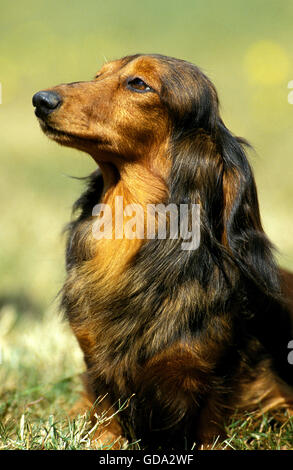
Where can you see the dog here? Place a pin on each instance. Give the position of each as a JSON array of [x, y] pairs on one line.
[[185, 336]]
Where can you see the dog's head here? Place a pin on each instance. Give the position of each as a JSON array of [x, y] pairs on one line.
[[120, 114], [129, 108]]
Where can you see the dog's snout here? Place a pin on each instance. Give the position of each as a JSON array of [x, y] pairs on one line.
[[45, 102]]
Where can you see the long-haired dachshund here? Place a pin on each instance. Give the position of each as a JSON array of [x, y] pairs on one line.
[[187, 336]]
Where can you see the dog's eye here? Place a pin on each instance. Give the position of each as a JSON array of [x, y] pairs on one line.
[[137, 84]]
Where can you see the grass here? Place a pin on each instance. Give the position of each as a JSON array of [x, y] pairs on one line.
[[270, 432], [40, 377]]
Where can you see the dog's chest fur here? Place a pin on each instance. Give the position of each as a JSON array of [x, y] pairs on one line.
[[127, 304]]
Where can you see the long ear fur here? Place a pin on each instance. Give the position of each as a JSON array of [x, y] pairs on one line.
[[243, 232], [210, 167]]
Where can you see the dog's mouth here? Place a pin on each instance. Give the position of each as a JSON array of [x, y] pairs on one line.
[[65, 136], [53, 131]]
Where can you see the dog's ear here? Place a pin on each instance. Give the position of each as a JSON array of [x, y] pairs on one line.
[[210, 168], [243, 234]]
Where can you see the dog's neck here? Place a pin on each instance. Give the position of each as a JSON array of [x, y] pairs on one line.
[[140, 180], [137, 182]]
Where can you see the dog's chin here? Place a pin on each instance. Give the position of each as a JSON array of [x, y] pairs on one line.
[[67, 139], [53, 133]]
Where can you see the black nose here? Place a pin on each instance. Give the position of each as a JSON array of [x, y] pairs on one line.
[[45, 102]]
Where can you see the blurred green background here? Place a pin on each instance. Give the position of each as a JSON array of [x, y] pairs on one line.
[[245, 47]]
